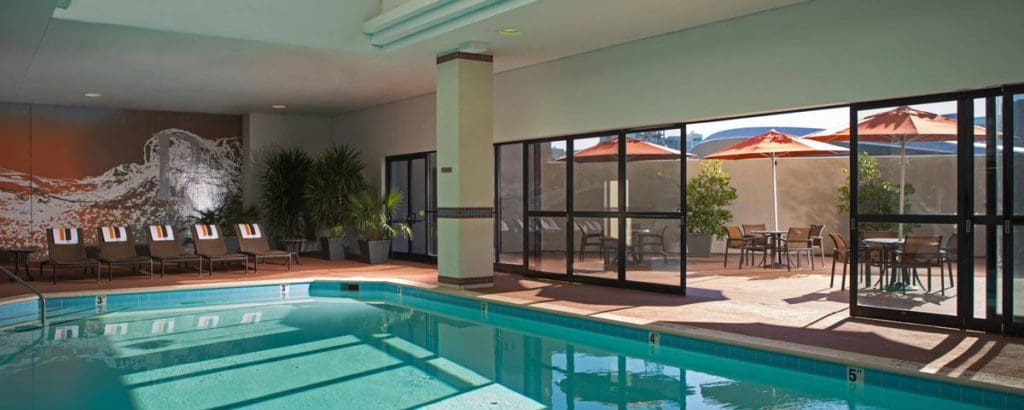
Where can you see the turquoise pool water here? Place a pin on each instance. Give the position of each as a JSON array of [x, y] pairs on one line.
[[363, 350]]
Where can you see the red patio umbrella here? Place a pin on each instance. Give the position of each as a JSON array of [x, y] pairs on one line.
[[774, 145], [899, 125], [636, 150]]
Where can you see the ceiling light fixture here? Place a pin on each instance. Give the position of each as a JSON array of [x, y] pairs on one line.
[[509, 31], [278, 106], [93, 94]]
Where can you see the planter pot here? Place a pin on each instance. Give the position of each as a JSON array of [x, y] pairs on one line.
[[333, 249], [232, 243], [375, 251], [698, 245]]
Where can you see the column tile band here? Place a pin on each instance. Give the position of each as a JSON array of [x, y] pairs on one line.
[[465, 213], [487, 58]]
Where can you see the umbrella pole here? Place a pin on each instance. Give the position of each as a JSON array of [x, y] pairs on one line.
[[903, 180], [775, 193]]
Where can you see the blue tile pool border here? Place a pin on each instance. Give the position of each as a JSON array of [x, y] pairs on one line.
[[25, 310]]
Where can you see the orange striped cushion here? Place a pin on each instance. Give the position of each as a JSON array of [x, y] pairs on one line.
[[207, 232], [65, 236]]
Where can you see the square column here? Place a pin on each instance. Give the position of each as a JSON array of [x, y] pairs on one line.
[[465, 177]]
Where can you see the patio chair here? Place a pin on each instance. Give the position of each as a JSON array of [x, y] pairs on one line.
[[736, 240], [117, 247], [949, 255], [758, 238], [165, 248], [253, 243], [66, 249], [818, 240], [797, 240], [209, 245], [592, 235], [920, 251], [841, 254]]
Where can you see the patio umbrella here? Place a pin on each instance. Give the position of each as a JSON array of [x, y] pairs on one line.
[[775, 145], [899, 125], [636, 150]]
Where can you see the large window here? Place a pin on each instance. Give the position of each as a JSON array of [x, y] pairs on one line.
[[601, 208]]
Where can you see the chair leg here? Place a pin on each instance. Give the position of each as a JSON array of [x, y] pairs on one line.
[[246, 267], [842, 284], [725, 263], [54, 269], [832, 281], [289, 263]]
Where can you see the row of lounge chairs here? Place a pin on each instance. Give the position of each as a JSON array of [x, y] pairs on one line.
[[66, 249]]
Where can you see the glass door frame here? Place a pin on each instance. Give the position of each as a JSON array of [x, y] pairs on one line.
[[1012, 221], [429, 203], [960, 219], [964, 219], [569, 213]]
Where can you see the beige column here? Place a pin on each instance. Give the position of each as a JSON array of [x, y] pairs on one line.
[[465, 171]]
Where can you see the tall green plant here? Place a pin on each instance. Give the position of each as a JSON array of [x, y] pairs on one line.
[[336, 174], [371, 215], [708, 196], [876, 195], [284, 180]]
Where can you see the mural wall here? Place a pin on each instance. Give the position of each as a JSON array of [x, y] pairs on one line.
[[90, 167]]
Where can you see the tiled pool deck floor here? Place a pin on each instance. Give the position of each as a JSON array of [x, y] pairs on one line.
[[779, 309]]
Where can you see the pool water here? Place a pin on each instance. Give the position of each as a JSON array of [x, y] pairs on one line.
[[347, 352]]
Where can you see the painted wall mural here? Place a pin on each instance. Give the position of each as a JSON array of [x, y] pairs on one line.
[[90, 167]]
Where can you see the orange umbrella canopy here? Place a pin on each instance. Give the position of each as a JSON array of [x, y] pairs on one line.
[[636, 150], [900, 124], [775, 144]]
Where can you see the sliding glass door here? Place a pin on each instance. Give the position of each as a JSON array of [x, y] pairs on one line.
[[937, 214], [601, 208]]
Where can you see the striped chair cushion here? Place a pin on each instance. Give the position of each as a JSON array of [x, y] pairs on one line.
[[207, 232], [161, 233], [65, 236], [115, 234], [250, 231]]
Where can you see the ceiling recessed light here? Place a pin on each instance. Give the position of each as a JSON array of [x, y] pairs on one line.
[[278, 106], [93, 94], [509, 31]]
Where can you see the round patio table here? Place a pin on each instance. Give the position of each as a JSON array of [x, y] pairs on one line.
[[774, 238], [294, 246], [889, 247], [21, 259]]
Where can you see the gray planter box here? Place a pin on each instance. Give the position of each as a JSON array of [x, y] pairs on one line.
[[698, 245], [333, 249], [375, 251]]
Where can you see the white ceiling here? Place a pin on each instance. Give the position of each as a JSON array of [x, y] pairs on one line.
[[236, 56]]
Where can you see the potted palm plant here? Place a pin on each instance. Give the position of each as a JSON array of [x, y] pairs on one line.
[[284, 179], [371, 216], [708, 197], [336, 174]]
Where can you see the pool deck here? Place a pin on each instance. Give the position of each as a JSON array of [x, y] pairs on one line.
[[790, 310]]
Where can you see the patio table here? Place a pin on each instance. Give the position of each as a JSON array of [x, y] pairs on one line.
[[889, 247], [21, 255], [774, 237]]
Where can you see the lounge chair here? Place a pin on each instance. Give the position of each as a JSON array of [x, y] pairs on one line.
[[253, 243], [117, 247], [165, 248], [66, 249], [209, 245]]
